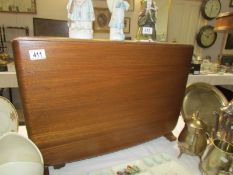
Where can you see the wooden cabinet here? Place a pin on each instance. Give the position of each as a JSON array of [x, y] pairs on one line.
[[86, 98]]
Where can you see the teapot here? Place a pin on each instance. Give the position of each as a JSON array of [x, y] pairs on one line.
[[217, 158], [224, 123], [193, 138]]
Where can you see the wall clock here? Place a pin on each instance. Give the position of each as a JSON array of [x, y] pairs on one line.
[[210, 9], [206, 36]]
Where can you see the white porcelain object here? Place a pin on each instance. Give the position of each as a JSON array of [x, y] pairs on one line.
[[166, 157], [20, 156], [158, 159], [21, 168], [8, 116], [148, 161]]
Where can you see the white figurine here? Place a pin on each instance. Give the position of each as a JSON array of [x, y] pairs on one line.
[[117, 8], [81, 16]]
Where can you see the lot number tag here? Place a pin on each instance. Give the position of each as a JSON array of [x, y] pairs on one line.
[[147, 30], [38, 54]]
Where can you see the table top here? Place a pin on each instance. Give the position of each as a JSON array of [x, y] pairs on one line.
[[8, 80], [213, 79]]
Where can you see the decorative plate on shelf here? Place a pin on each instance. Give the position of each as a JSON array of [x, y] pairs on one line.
[[204, 98], [8, 116]]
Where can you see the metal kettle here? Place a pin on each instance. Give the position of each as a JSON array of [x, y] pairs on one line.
[[217, 158], [224, 123], [193, 138]]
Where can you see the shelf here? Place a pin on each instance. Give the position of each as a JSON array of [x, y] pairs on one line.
[[224, 22]]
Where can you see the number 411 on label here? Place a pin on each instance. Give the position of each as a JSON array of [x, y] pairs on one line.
[[147, 30], [38, 54]]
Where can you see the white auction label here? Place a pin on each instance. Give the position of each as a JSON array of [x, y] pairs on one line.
[[38, 54], [147, 30]]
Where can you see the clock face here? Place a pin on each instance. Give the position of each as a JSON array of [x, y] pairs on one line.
[[206, 37], [211, 8]]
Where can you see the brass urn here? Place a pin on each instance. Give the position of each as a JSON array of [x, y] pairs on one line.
[[193, 138]]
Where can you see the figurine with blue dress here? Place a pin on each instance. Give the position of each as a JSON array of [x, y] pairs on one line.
[[117, 8], [80, 16]]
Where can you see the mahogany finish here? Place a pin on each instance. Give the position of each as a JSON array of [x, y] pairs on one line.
[[93, 97], [224, 22]]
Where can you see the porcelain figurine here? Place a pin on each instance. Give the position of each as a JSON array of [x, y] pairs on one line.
[[117, 8], [80, 16], [147, 21]]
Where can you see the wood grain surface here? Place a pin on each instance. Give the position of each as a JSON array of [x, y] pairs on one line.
[[89, 98], [224, 22]]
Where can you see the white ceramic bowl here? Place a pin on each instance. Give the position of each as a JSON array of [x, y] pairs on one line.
[[19, 155]]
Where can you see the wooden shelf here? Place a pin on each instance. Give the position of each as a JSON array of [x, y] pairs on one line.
[[224, 22]]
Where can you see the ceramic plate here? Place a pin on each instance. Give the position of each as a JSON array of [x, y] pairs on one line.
[[8, 116], [204, 98], [155, 160]]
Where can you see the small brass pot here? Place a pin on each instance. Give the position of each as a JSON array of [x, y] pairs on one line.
[[217, 158], [193, 138]]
